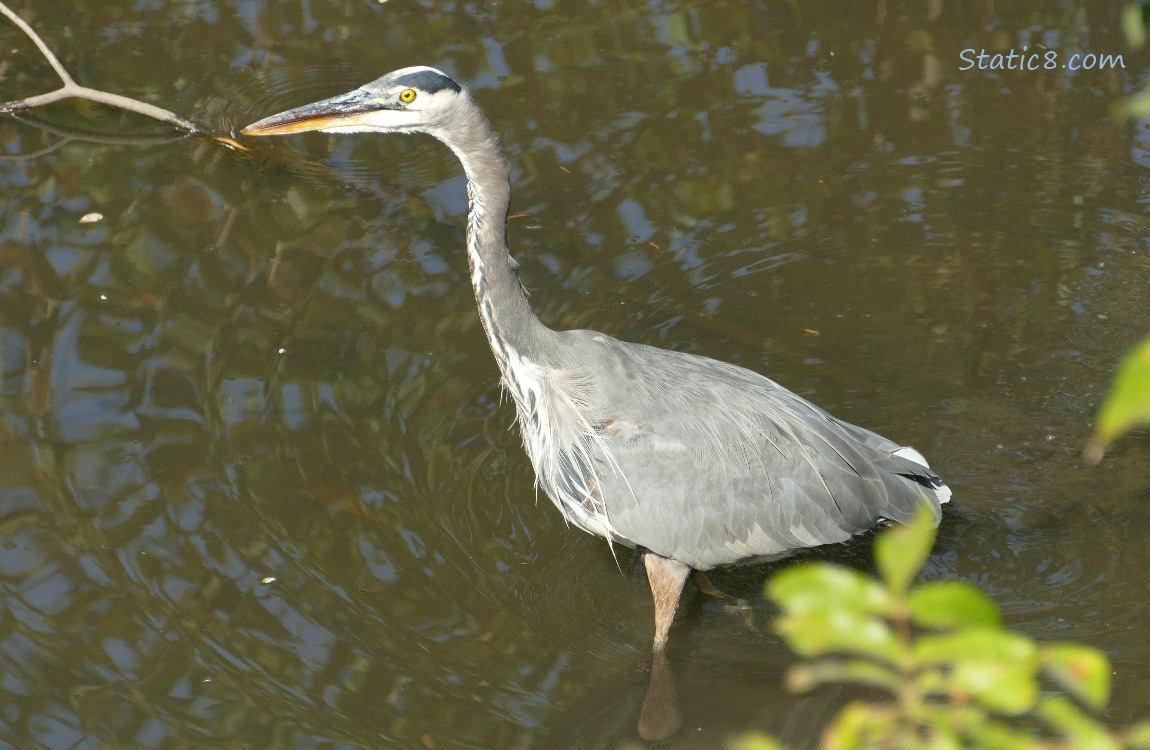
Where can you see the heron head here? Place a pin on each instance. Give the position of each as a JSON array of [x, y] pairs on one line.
[[403, 101]]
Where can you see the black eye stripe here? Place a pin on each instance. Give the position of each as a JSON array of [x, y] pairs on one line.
[[429, 81]]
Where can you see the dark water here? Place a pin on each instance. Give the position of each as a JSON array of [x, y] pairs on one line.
[[257, 488]]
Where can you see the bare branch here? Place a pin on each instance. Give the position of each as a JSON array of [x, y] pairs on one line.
[[72, 90], [52, 59]]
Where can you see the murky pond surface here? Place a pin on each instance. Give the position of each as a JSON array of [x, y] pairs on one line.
[[258, 488]]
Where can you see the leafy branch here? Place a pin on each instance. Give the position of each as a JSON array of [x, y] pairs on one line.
[[1127, 405], [955, 677]]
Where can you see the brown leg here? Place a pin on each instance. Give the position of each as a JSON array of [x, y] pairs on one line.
[[703, 583], [659, 717], [666, 577], [735, 606]]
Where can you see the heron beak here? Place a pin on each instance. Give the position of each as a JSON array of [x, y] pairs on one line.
[[350, 111]]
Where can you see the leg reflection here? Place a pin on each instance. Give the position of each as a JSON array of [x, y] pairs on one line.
[[659, 717]]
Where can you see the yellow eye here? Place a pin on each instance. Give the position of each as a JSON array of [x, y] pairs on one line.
[[407, 96]]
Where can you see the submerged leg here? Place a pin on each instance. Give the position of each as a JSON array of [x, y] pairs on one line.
[[666, 577], [733, 605], [703, 583]]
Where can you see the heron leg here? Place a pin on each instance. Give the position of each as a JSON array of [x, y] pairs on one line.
[[704, 584], [732, 605], [666, 577]]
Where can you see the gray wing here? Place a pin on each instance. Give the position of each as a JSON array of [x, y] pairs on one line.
[[711, 464]]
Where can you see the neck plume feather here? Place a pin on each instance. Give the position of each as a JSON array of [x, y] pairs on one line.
[[507, 317], [550, 398]]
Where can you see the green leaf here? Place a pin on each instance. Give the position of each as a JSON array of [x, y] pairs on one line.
[[998, 685], [942, 738], [931, 681], [977, 645], [838, 632], [901, 550], [862, 726], [1127, 404], [805, 677], [996, 667], [754, 741], [818, 586], [1133, 27], [1137, 105], [1082, 670], [952, 604], [1083, 732], [1138, 736], [995, 735]]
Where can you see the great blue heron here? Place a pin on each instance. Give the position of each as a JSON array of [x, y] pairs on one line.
[[696, 462]]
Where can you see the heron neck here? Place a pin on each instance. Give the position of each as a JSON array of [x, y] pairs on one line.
[[511, 325]]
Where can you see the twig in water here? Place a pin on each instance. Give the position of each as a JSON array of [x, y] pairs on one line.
[[73, 90]]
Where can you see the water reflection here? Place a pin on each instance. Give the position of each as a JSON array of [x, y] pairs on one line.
[[714, 699], [258, 489]]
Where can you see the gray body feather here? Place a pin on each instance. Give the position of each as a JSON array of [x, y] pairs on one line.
[[706, 462]]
